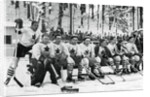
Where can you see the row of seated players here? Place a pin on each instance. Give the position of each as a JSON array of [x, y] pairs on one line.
[[84, 55]]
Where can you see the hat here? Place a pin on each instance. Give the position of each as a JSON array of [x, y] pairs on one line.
[[87, 37], [74, 36], [124, 42]]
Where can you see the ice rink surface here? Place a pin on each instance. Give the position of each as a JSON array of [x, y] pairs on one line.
[[133, 82]]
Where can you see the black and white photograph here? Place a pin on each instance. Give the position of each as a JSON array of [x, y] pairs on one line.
[[61, 48]]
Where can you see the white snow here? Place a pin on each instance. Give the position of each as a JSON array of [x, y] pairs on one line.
[[133, 82]]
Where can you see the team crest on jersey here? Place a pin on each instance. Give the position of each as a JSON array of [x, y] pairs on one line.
[[33, 36], [57, 51], [86, 52], [46, 48], [72, 51]]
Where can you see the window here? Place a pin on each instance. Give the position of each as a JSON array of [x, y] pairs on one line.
[[8, 39]]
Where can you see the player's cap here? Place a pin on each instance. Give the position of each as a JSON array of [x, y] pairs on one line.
[[124, 42], [58, 36], [87, 38], [74, 37]]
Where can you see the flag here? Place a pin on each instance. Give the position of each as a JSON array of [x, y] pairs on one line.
[[24, 3], [50, 8], [103, 17], [98, 18], [33, 12], [43, 27], [65, 5], [28, 11], [83, 8], [60, 14], [92, 7], [12, 2], [17, 4]]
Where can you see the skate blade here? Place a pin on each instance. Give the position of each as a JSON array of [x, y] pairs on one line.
[[70, 90]]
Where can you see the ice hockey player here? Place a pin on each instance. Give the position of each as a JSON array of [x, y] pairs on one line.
[[28, 39], [89, 60], [130, 50], [113, 54], [61, 55], [42, 59], [102, 52], [75, 54]]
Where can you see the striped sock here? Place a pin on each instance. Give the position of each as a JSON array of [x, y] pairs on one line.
[[10, 72]]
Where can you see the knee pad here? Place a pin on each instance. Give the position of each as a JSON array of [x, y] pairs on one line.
[[98, 59], [70, 60], [117, 60], [85, 61], [111, 61], [133, 60], [70, 67], [95, 71], [136, 58], [125, 60]]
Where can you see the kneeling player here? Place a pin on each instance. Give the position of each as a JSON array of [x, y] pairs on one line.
[[42, 62]]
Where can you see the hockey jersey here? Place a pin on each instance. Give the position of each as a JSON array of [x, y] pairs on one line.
[[41, 49], [59, 49], [112, 49], [28, 37], [74, 49], [129, 48], [101, 51], [87, 50]]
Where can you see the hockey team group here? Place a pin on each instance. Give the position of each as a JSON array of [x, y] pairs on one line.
[[46, 55]]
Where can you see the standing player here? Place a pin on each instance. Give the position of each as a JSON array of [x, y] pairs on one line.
[[23, 46]]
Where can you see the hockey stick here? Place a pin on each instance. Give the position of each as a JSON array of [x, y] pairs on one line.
[[54, 70], [64, 88], [114, 70], [137, 69], [104, 83], [109, 78], [18, 82]]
